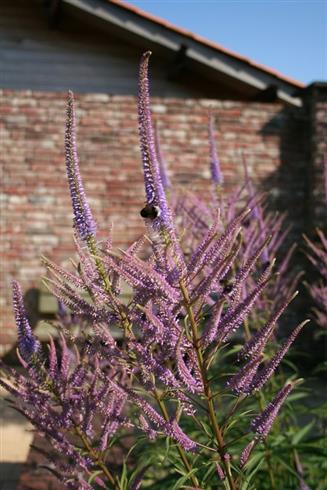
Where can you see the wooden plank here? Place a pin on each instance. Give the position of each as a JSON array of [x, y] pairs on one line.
[[79, 48], [12, 55], [34, 57]]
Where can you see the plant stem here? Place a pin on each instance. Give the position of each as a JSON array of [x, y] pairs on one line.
[[267, 454], [96, 457], [182, 454], [247, 329], [236, 405], [93, 249], [207, 388], [107, 286]]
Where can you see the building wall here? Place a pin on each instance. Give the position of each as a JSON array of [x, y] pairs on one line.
[[79, 56], [73, 56], [316, 107], [36, 213]]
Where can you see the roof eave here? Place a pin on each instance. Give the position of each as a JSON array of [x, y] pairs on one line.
[[124, 17]]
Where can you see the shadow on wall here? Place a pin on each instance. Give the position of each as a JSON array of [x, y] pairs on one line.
[[9, 475], [288, 187], [289, 190]]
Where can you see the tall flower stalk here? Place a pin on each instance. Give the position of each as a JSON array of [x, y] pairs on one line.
[[28, 345], [83, 220]]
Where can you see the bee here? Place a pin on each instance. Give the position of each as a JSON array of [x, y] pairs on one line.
[[265, 265], [150, 211], [228, 289], [227, 285]]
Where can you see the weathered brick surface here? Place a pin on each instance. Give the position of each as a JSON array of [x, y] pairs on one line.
[[35, 208], [316, 106]]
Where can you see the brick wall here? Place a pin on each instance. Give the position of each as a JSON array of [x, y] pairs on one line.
[[36, 217], [316, 107]]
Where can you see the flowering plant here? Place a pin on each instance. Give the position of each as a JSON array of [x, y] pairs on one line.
[[318, 257], [317, 254], [169, 403]]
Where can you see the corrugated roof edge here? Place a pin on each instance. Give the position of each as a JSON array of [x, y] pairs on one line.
[[206, 42]]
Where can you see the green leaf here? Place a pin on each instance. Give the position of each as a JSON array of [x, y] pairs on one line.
[[253, 461], [296, 396], [287, 466], [245, 485], [207, 429], [167, 445], [209, 473], [94, 475], [123, 476], [298, 436], [183, 479], [230, 425]]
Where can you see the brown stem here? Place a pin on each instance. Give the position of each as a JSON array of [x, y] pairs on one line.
[[107, 286], [270, 470], [96, 457], [247, 329], [207, 388]]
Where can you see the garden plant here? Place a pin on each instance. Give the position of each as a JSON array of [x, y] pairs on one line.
[[194, 392]]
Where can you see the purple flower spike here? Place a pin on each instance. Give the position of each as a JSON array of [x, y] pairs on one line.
[[145, 426], [241, 382], [220, 471], [154, 189], [183, 440], [216, 174], [299, 468], [184, 373], [258, 341], [246, 453], [261, 425], [252, 194], [262, 377], [83, 219], [156, 210], [27, 343], [162, 164]]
